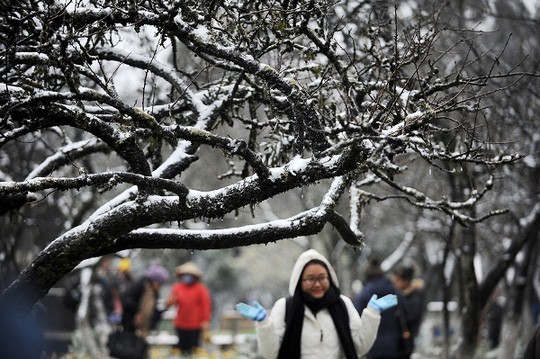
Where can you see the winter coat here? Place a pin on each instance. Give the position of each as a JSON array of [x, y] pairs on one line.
[[388, 342], [319, 336], [194, 305], [138, 299], [533, 347], [412, 305]]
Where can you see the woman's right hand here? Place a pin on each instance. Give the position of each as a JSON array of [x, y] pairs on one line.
[[255, 312]]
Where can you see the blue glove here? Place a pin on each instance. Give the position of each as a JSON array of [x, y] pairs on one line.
[[383, 303], [255, 312]]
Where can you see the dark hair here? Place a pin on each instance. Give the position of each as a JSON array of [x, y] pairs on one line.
[[405, 272], [373, 268], [374, 261], [320, 262]]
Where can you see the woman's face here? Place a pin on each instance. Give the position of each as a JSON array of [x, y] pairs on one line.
[[315, 281]]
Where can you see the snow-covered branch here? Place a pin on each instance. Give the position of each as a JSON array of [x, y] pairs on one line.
[[109, 179]]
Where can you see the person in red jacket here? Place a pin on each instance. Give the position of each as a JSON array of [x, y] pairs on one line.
[[194, 304]]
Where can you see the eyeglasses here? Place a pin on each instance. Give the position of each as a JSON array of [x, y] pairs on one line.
[[311, 281]]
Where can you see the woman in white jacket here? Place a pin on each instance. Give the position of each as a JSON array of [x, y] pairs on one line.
[[316, 321]]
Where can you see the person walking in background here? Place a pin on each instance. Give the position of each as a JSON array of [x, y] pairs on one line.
[[316, 321], [387, 343], [139, 300], [94, 317], [411, 307], [194, 304], [532, 351], [103, 279], [121, 281]]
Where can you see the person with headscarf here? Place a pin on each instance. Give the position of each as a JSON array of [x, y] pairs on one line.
[[194, 307], [316, 321]]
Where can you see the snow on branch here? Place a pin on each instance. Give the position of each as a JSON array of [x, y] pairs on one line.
[[233, 146], [451, 208], [156, 67], [109, 179], [303, 224], [67, 154]]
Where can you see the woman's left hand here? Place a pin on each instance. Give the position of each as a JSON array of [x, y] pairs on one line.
[[383, 303]]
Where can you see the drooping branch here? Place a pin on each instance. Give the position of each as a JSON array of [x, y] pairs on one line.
[[303, 224], [344, 229]]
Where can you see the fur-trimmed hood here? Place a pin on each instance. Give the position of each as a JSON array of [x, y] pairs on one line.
[[416, 285]]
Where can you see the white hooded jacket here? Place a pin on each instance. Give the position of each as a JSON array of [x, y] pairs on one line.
[[319, 336]]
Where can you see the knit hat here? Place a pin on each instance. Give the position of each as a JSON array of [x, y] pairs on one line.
[[189, 268], [157, 273]]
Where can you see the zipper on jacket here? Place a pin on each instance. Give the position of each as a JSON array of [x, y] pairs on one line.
[[321, 335]]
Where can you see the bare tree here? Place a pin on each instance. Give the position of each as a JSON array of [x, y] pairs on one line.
[[122, 97]]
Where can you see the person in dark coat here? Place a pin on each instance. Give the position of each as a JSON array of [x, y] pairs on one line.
[[533, 348], [411, 307], [387, 344], [21, 333], [139, 301]]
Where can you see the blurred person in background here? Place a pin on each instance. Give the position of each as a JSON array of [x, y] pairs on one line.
[[411, 307], [105, 279], [376, 282], [316, 321], [139, 300], [124, 277], [532, 351], [122, 280], [194, 307]]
